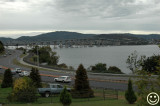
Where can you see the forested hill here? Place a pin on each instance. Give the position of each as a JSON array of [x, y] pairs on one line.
[[59, 35], [64, 35]]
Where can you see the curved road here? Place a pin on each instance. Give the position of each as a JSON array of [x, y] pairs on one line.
[[96, 81]]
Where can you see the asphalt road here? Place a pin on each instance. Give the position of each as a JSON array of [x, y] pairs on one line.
[[96, 81]]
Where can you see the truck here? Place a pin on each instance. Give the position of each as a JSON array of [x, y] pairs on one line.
[[52, 89]]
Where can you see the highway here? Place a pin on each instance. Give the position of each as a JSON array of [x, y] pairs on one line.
[[96, 81]]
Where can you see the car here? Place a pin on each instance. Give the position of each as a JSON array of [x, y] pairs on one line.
[[13, 72], [0, 67], [18, 70], [4, 55], [24, 73], [52, 89], [63, 79]]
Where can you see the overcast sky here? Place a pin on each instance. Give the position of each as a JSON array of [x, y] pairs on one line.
[[31, 17]]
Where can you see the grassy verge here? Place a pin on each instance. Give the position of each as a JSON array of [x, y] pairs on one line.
[[22, 55]]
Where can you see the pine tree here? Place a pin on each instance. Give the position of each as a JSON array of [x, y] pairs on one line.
[[7, 79], [129, 94], [65, 97], [82, 87], [36, 78]]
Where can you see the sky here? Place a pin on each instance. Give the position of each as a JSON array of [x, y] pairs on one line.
[[32, 17]]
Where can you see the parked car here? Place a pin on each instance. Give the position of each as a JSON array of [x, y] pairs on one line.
[[24, 73], [0, 67], [52, 89], [63, 79]]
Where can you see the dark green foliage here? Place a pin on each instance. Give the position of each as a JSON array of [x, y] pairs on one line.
[[36, 78], [63, 65], [53, 59], [150, 64], [81, 86], [65, 97], [46, 55], [100, 67], [7, 80], [129, 94], [1, 47], [114, 69]]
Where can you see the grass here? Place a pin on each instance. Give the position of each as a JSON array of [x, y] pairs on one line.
[[54, 100], [88, 103], [22, 55]]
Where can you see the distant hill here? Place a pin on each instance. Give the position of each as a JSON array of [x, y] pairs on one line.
[[64, 35], [59, 35]]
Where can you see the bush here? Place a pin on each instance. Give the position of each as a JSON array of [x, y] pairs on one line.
[[82, 87], [129, 94], [36, 78], [100, 67], [23, 91], [7, 80], [65, 97], [114, 69]]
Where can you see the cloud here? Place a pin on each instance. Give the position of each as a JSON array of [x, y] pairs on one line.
[[109, 15]]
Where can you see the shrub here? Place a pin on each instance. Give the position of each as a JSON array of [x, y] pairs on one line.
[[65, 97], [100, 67], [7, 80], [129, 94], [36, 78], [23, 91], [114, 69]]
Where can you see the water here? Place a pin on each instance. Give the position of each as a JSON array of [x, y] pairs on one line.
[[111, 55]]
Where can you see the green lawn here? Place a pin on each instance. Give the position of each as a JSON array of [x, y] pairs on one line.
[[88, 103]]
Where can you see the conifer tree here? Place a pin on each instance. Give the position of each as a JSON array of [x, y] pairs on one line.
[[36, 78], [65, 97], [81, 83], [129, 94], [7, 79]]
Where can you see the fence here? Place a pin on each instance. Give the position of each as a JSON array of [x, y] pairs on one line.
[[99, 94]]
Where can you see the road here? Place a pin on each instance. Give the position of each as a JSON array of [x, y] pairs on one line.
[[96, 81]]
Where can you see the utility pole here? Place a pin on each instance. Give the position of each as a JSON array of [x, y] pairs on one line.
[[37, 57]]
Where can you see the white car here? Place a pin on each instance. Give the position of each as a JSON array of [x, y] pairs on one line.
[[24, 73], [63, 79], [18, 70]]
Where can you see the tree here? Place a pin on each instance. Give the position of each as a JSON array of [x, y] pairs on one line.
[[53, 59], [65, 97], [133, 62], [81, 87], [114, 69], [23, 91], [1, 47], [7, 79], [100, 67], [150, 64], [36, 78], [129, 94]]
